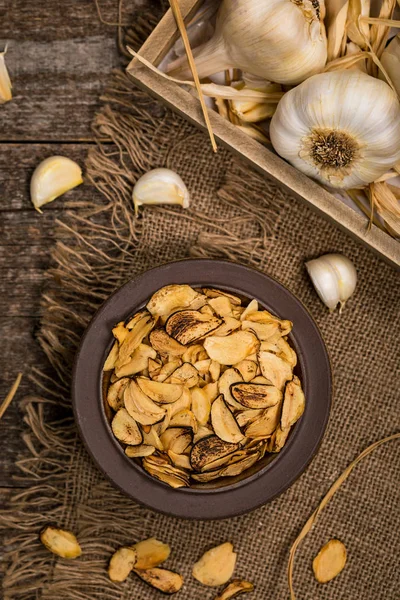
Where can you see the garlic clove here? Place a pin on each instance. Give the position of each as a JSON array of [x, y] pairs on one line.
[[53, 177], [5, 81], [160, 186], [334, 277]]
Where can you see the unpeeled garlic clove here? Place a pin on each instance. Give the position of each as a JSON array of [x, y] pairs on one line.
[[53, 177], [334, 277], [5, 81], [160, 186]]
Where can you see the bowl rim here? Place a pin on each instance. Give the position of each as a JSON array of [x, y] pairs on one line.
[[208, 503]]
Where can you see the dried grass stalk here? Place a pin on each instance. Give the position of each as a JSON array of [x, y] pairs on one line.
[[8, 399], [385, 199], [324, 502], [379, 33], [182, 29]]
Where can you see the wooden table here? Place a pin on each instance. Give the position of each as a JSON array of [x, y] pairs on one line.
[[59, 58]]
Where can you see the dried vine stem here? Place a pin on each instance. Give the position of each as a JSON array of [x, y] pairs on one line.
[[307, 527], [10, 395]]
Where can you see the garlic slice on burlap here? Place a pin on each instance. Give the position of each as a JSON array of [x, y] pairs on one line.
[[341, 128], [5, 81], [160, 186], [53, 177]]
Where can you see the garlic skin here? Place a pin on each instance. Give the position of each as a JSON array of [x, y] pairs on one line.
[[160, 186], [53, 177], [5, 81], [334, 277], [279, 40], [390, 60], [341, 128]]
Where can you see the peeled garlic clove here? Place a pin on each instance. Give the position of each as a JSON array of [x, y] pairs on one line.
[[5, 81], [334, 277], [52, 178], [160, 186]]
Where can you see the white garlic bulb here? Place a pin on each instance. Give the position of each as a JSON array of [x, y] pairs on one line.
[[280, 40], [160, 186], [5, 81], [52, 177], [334, 277], [390, 60], [341, 128]]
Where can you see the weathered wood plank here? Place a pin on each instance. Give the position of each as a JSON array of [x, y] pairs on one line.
[[59, 58]]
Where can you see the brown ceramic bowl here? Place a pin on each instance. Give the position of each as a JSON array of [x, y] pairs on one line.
[[267, 478]]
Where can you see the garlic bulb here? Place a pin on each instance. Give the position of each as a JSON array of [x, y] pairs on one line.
[[390, 60], [280, 40], [342, 128], [53, 177], [5, 81], [334, 277], [160, 186]]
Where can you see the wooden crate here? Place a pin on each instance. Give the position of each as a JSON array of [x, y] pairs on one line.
[[261, 158]]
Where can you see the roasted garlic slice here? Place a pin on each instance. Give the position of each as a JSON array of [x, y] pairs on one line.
[[255, 395], [126, 429], [209, 449], [60, 542], [266, 424], [188, 326], [224, 423], [221, 306], [181, 461], [166, 581], [160, 392], [176, 439], [139, 361], [135, 336], [277, 370], [201, 405], [140, 407], [232, 470], [112, 357], [164, 344], [185, 418], [216, 566], [293, 403], [247, 369], [121, 564], [234, 589], [171, 297], [139, 451], [186, 374], [115, 394], [228, 378], [151, 553], [213, 293], [232, 348], [330, 561]]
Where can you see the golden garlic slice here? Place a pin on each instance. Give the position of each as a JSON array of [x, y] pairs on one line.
[[266, 424], [186, 374], [151, 553], [228, 378], [139, 451], [60, 542], [139, 361], [176, 439], [161, 392], [247, 369], [224, 423], [255, 395], [275, 369], [234, 589], [126, 429], [293, 403], [330, 561], [115, 394], [188, 326], [166, 581], [216, 566], [121, 564], [135, 336], [201, 405], [213, 293], [141, 407], [171, 297], [112, 357], [232, 348], [165, 344], [209, 449]]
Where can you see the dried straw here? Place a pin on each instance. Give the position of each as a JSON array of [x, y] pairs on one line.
[[182, 29], [324, 502], [10, 395]]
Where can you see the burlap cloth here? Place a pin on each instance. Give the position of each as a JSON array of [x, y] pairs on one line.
[[234, 213]]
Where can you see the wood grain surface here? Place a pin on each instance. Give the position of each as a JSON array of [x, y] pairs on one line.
[[59, 57]]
